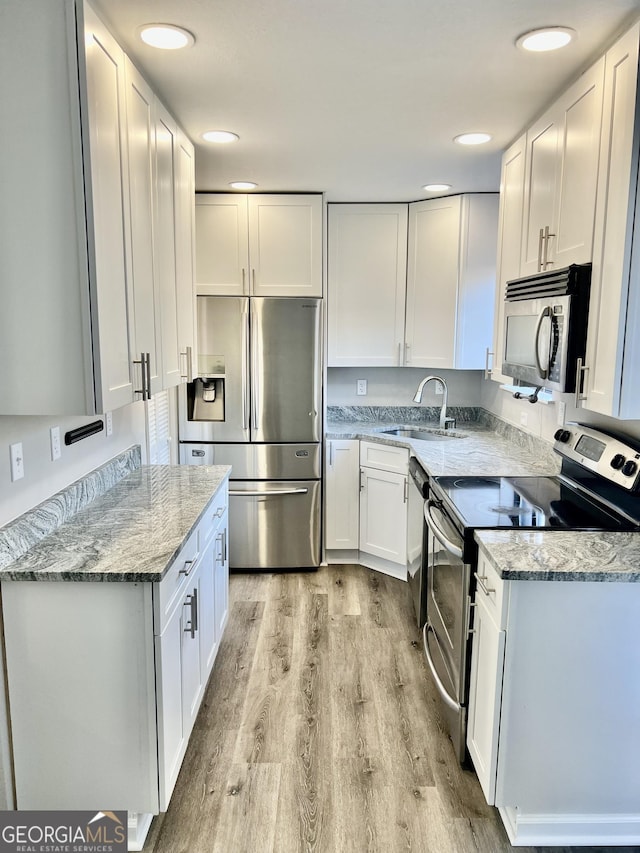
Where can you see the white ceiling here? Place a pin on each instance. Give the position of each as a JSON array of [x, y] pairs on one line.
[[359, 99]]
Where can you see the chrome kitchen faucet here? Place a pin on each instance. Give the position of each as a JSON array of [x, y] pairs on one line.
[[445, 422]]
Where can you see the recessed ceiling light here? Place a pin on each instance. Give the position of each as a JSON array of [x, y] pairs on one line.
[[166, 36], [220, 136], [546, 38], [472, 138], [436, 188], [243, 185]]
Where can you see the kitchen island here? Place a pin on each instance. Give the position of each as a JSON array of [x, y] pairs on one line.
[[112, 623]]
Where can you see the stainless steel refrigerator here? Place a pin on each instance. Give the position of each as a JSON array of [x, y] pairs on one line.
[[257, 406]]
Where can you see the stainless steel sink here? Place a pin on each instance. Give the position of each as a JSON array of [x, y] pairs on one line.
[[420, 434]]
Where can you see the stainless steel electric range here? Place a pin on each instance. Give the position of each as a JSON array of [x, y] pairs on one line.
[[598, 488]]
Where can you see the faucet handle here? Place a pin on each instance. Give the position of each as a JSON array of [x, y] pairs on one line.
[[449, 423]]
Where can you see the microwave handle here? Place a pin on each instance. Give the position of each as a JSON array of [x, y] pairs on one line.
[[543, 371]]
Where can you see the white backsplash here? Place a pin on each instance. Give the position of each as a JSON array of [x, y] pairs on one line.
[[395, 386]]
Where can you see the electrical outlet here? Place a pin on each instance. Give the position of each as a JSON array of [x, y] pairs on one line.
[[108, 422], [562, 413], [524, 418], [439, 389], [361, 387], [17, 462], [56, 450]]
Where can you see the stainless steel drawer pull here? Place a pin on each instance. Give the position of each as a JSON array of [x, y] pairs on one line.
[[267, 494], [219, 512], [191, 625], [188, 566], [481, 583]]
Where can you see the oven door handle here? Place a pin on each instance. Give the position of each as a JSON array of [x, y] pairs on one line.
[[442, 690], [451, 547], [542, 371]]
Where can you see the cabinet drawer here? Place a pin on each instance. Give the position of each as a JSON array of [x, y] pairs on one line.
[[167, 593], [214, 515], [491, 590], [384, 457]]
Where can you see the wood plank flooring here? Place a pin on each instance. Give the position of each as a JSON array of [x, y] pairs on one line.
[[320, 731]]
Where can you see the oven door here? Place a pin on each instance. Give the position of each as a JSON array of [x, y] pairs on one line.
[[446, 631]]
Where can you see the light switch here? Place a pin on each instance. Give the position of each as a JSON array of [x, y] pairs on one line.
[[17, 462]]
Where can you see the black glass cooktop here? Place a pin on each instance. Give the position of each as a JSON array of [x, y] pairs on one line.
[[524, 502]]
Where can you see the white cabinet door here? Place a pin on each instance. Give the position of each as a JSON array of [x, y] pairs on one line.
[[342, 494], [540, 190], [141, 150], [579, 113], [184, 174], [191, 681], [432, 282], [509, 241], [485, 692], [383, 515], [171, 745], [613, 345], [561, 176], [108, 216], [367, 282], [285, 245], [222, 244], [221, 579], [207, 607], [164, 240]]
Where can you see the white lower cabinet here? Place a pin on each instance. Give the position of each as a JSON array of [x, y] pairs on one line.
[[553, 708], [342, 494], [122, 669], [383, 505]]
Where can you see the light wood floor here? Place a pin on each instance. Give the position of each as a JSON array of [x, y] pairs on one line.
[[320, 731]]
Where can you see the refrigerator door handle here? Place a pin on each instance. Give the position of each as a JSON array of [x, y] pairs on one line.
[[255, 397], [233, 493], [245, 370]]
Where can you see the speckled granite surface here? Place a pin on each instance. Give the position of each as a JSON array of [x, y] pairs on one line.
[[483, 446], [559, 556], [17, 537], [132, 532]]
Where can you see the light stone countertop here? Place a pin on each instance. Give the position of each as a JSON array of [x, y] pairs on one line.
[[471, 449], [131, 533], [558, 556]]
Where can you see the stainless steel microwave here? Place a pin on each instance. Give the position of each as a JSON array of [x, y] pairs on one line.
[[545, 327]]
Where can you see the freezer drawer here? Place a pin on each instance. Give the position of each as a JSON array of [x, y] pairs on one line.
[[257, 461], [274, 524]]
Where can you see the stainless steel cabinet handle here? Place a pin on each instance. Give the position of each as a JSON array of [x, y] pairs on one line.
[[540, 242], [438, 533], [191, 601], [330, 443], [224, 545], [481, 583], [219, 512], [253, 281], [361, 480], [267, 494], [487, 355], [219, 558], [148, 376], [407, 353], [406, 490], [542, 371], [188, 356], [244, 275], [143, 376], [188, 566], [545, 257], [442, 690], [399, 354], [581, 370]]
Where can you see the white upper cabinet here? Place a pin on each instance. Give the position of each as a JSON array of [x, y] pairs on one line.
[[612, 374], [367, 279], [141, 140], [509, 240], [448, 282], [451, 279], [258, 245], [561, 176], [184, 176], [79, 219]]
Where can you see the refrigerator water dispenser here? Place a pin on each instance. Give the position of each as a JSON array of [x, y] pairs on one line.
[[205, 399]]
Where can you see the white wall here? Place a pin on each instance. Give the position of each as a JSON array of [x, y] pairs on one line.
[[543, 420], [395, 386], [42, 477]]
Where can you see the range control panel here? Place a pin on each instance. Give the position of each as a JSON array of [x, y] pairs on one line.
[[613, 457]]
